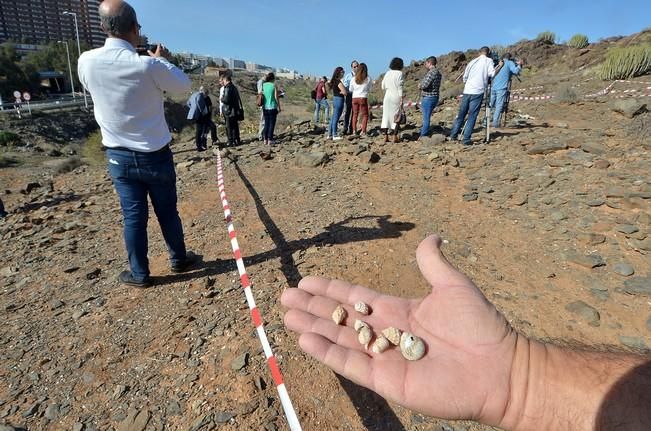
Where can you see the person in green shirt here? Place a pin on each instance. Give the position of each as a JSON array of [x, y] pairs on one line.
[[271, 107]]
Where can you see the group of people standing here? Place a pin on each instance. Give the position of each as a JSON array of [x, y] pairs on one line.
[[230, 108], [350, 93]]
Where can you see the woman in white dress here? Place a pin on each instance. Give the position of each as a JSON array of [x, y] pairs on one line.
[[392, 84]]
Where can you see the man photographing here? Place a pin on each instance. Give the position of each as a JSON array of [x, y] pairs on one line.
[[501, 83], [127, 91]]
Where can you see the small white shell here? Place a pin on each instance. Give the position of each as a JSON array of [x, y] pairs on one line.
[[359, 324], [393, 335], [412, 347], [380, 344], [365, 335], [362, 308], [339, 314]]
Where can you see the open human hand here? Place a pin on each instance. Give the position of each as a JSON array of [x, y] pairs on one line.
[[465, 373]]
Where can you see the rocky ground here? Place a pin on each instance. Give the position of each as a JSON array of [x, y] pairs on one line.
[[551, 220]]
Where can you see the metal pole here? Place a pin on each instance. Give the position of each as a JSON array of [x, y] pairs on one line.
[[72, 84], [74, 16]]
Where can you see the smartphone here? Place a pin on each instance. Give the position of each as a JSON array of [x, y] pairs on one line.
[[142, 49]]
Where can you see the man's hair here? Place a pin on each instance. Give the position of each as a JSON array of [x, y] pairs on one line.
[[270, 77], [353, 62], [396, 64], [431, 60], [485, 50], [121, 23], [227, 74], [506, 56]]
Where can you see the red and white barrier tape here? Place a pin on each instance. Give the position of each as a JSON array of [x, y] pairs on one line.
[[277, 376], [531, 98], [609, 89]]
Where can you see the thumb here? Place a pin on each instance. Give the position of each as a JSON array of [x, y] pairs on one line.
[[435, 267]]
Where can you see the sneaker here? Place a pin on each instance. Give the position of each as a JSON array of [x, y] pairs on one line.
[[190, 260], [126, 277], [337, 138]]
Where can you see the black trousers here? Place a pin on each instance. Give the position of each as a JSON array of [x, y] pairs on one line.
[[199, 136], [348, 126], [2, 209], [232, 130], [209, 126]]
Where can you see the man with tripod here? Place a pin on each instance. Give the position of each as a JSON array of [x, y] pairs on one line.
[[476, 76], [501, 84]]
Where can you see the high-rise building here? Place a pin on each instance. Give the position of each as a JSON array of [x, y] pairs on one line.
[[42, 21]]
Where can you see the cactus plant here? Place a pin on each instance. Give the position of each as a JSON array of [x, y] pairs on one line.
[[626, 62], [578, 41]]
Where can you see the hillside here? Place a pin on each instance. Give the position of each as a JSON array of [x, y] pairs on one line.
[[552, 220]]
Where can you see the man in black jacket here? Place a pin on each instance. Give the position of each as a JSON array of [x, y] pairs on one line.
[[233, 111]]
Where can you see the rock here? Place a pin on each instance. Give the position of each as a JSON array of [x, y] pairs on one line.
[[638, 286], [223, 417], [135, 421], [648, 324], [185, 165], [591, 238], [558, 216], [7, 428], [520, 199], [201, 422], [601, 164], [79, 314], [588, 261], [312, 160], [635, 343], [78, 426], [623, 268], [585, 311], [601, 293], [629, 107], [240, 362], [31, 410], [547, 147], [52, 412], [593, 147], [55, 303], [626, 228], [174, 408], [369, 157], [596, 202], [469, 197]]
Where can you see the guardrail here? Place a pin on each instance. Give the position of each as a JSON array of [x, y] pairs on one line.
[[22, 110]]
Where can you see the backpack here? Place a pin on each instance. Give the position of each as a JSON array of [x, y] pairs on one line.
[[313, 94]]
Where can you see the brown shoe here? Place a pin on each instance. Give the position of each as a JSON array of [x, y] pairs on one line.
[[396, 139]]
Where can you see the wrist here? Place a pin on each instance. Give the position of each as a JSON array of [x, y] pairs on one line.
[[555, 388]]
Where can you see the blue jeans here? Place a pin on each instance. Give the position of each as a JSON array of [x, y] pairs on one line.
[[317, 109], [470, 105], [498, 97], [338, 108], [427, 106], [270, 116], [135, 176]]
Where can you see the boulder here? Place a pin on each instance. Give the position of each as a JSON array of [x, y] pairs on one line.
[[629, 107], [312, 160]]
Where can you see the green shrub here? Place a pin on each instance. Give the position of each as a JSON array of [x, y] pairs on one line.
[[547, 37], [8, 138], [579, 41], [567, 94], [92, 149], [626, 62]]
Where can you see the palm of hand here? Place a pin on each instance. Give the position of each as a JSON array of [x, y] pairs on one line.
[[466, 369]]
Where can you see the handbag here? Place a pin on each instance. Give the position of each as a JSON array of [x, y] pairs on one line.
[[400, 117]]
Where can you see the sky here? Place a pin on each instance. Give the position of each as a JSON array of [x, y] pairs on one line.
[[315, 36]]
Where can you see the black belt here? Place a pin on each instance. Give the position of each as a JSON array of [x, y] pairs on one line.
[[162, 150]]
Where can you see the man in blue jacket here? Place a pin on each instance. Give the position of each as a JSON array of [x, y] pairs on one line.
[[505, 70], [197, 112]]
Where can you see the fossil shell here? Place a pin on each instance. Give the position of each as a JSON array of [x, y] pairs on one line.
[[359, 324], [380, 344], [362, 308], [412, 347], [393, 335], [339, 314], [364, 336]]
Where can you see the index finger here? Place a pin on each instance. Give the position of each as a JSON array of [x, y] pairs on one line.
[[338, 290]]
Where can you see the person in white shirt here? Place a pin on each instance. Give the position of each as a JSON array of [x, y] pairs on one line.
[[127, 91], [360, 86], [476, 76], [393, 86]]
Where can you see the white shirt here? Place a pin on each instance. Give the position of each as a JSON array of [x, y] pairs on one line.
[[221, 104], [127, 91], [476, 75], [360, 90]]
